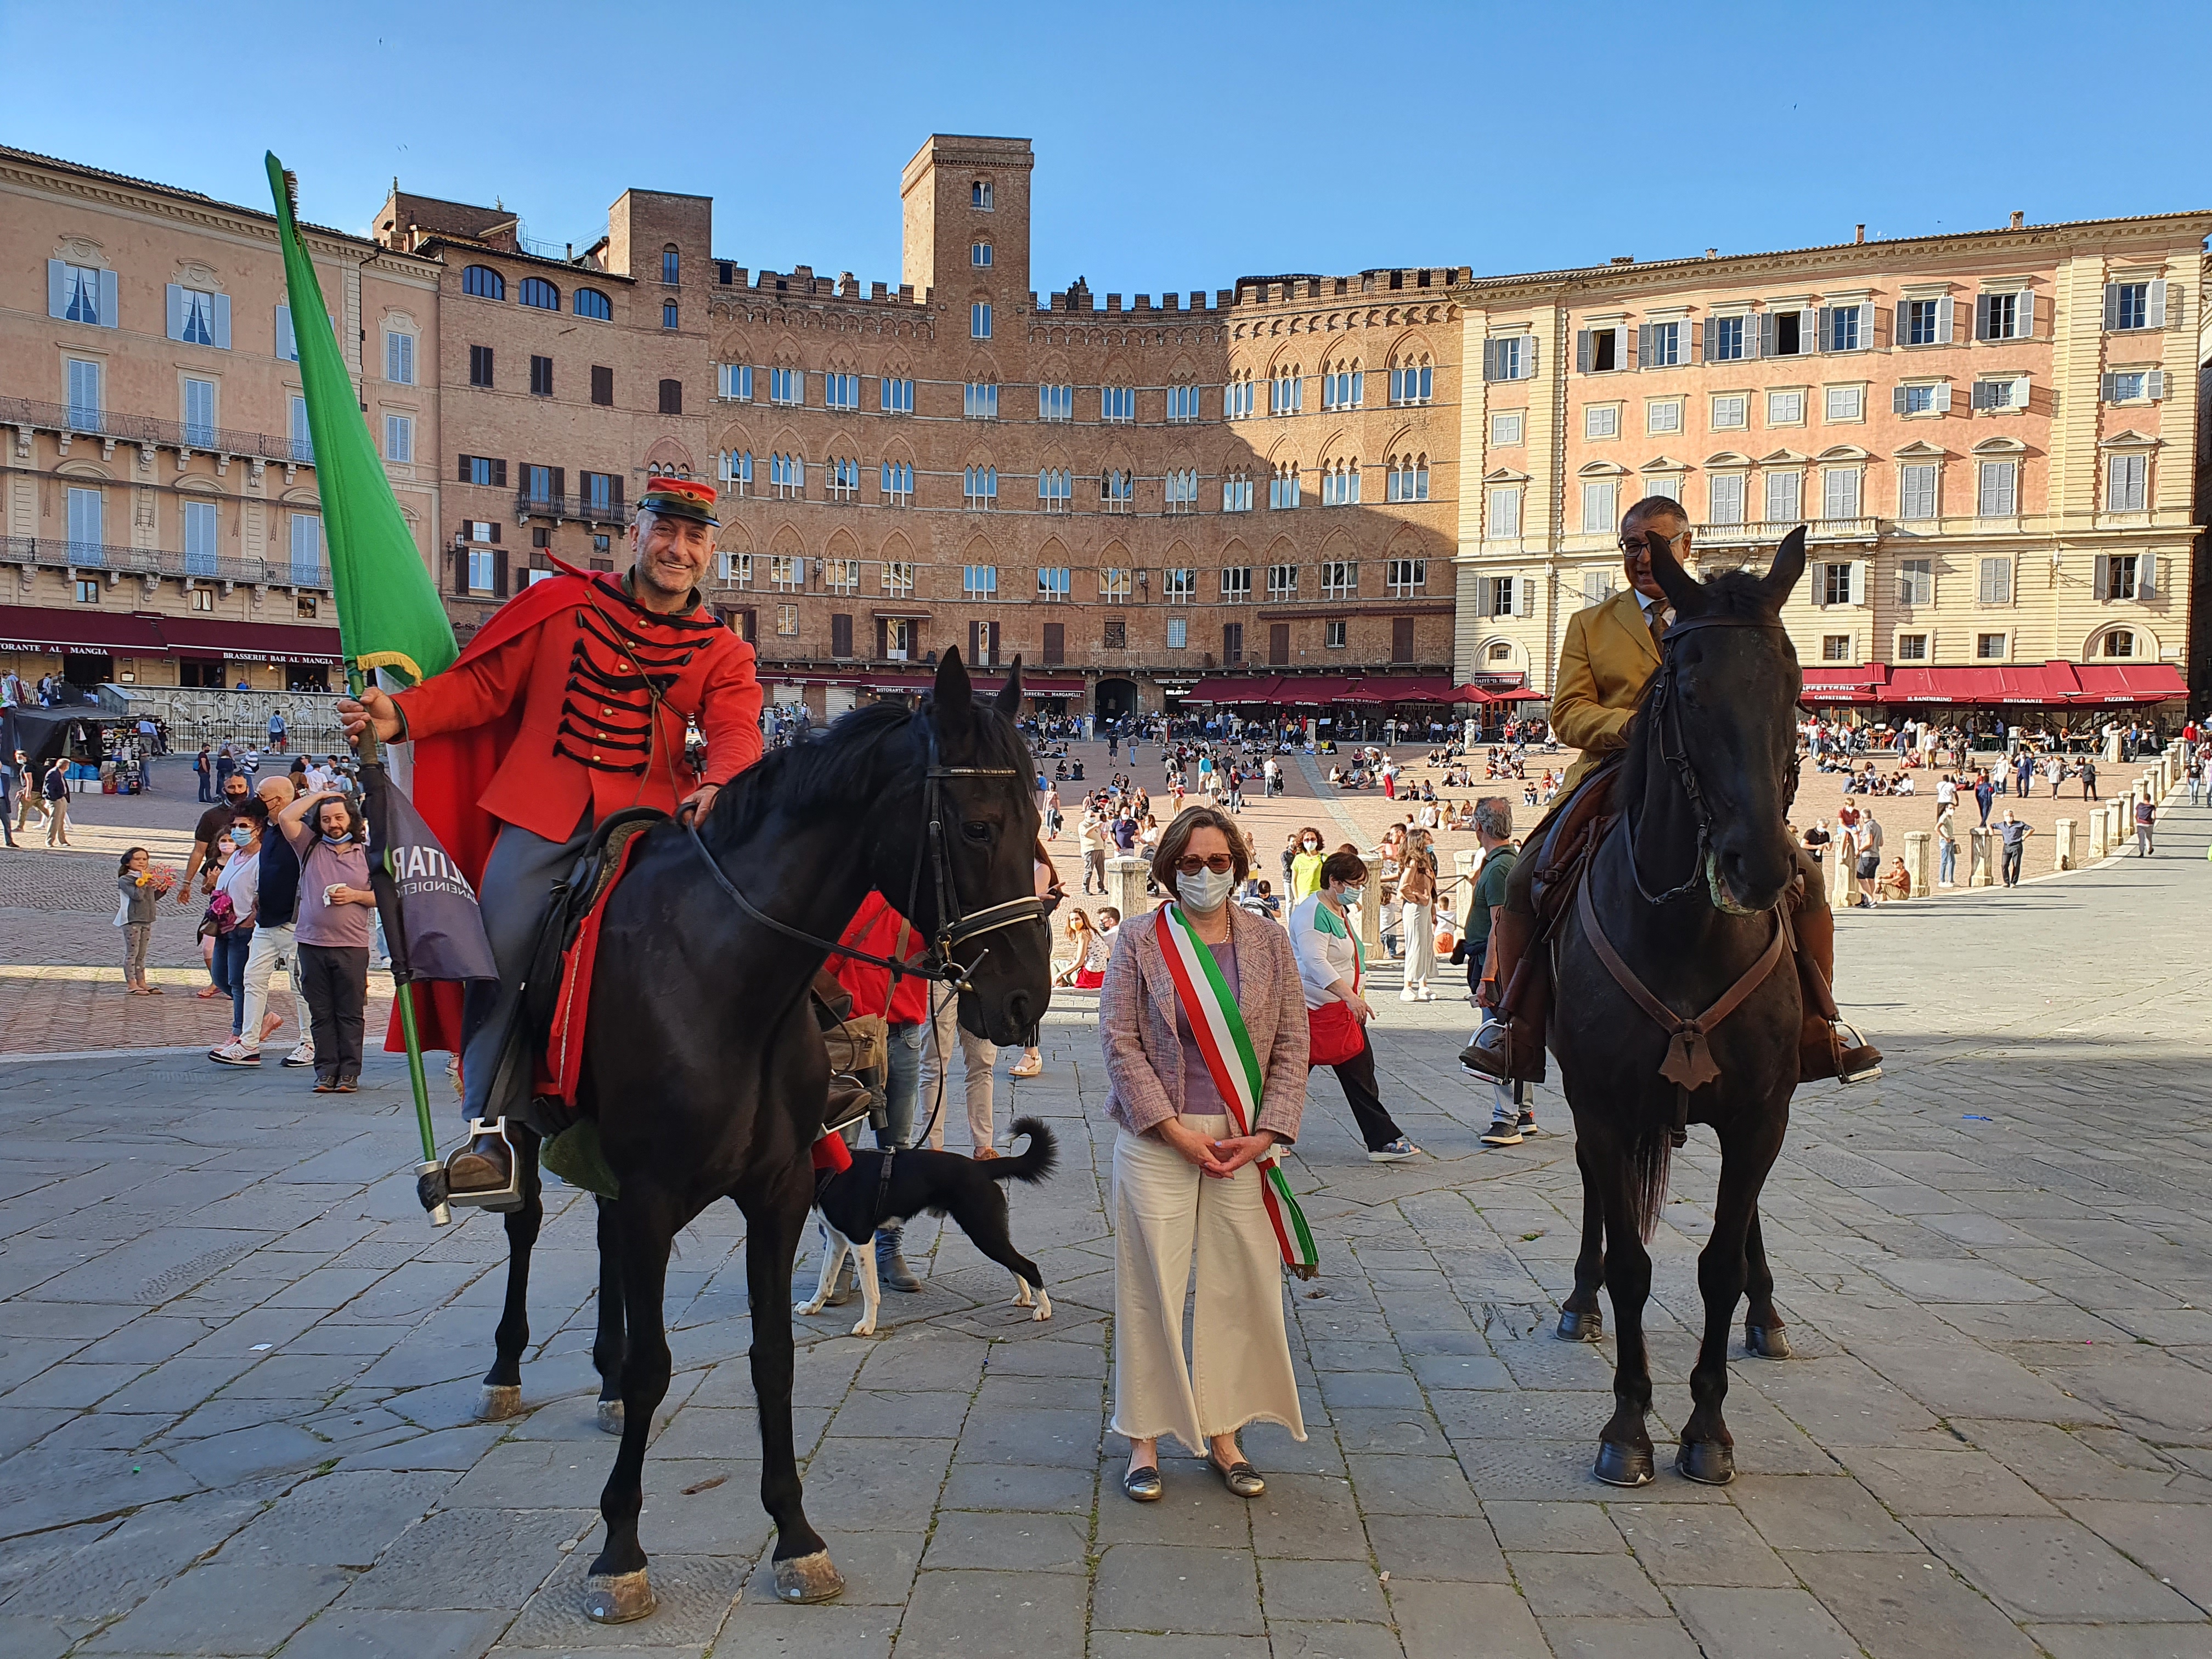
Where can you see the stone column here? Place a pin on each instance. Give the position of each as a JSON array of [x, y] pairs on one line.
[[2062, 835], [1125, 886], [1915, 862], [1979, 872], [1840, 887]]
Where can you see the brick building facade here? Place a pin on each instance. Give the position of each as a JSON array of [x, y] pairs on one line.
[[161, 525], [1991, 436], [1130, 495]]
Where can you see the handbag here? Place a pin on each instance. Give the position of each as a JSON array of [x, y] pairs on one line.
[[1334, 1036]]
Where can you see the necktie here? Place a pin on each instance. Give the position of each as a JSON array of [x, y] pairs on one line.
[[1658, 625]]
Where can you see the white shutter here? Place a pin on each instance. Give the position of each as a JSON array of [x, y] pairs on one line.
[[288, 344], [1582, 350], [2112, 305], [1943, 320], [110, 301], [2102, 570], [56, 287], [223, 322], [2020, 388], [1896, 400], [176, 311], [1901, 326], [1858, 581], [2154, 385], [1527, 358], [1527, 597], [2023, 324], [1808, 332], [1642, 344], [1983, 304], [2105, 385], [2146, 575], [2156, 317], [1868, 311], [1943, 387]]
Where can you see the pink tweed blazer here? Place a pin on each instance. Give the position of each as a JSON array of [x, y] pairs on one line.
[[1137, 1025]]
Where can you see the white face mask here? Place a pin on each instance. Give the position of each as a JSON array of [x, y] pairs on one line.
[[1351, 897], [1206, 891]]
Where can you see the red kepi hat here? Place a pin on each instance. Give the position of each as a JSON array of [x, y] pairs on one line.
[[680, 498]]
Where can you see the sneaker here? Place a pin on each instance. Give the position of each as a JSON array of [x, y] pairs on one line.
[[1502, 1132], [303, 1055], [1528, 1124], [1409, 994], [234, 1052], [1396, 1152]]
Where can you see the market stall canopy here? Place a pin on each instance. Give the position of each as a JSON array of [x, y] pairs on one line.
[[2129, 682], [1318, 692], [1406, 687], [1228, 688], [1827, 684]]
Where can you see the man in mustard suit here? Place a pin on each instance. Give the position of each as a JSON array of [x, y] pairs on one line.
[[1609, 655]]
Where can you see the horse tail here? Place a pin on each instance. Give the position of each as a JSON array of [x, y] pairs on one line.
[[1649, 1161], [1033, 1165]]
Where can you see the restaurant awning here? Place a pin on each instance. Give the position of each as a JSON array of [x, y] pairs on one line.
[[2128, 683], [1835, 683], [251, 641], [1519, 693], [1318, 692], [37, 627], [2043, 685], [1227, 689], [1401, 688]]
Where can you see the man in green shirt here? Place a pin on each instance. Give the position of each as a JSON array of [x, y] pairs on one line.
[[1511, 1119]]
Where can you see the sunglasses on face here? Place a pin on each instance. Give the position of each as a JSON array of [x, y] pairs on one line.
[[1221, 864]]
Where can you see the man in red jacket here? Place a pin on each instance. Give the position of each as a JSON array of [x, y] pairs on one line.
[[882, 932], [569, 705]]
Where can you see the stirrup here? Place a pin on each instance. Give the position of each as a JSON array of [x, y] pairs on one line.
[[508, 1197], [1865, 1074]]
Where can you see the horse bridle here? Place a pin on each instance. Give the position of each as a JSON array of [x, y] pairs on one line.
[[955, 926], [1667, 725]]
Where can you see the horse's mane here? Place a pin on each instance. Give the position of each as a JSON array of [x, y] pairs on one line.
[[849, 747]]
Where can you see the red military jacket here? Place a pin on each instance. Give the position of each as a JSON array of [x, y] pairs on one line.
[[559, 679], [882, 932]]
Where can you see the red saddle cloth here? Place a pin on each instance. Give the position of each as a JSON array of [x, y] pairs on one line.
[[560, 1066]]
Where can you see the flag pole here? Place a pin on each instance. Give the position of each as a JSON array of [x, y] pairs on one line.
[[402, 992]]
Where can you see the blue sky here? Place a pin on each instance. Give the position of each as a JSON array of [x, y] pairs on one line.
[[1178, 147]]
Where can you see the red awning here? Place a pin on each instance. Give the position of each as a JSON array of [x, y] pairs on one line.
[[1040, 685], [1836, 683], [1403, 688], [251, 641], [39, 628], [1519, 693], [2129, 682], [1234, 688], [2047, 685], [1318, 692]]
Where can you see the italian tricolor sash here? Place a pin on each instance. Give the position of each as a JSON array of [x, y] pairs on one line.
[[1227, 1047]]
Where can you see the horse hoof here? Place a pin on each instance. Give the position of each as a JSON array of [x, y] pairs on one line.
[[1767, 1341], [1623, 1465], [808, 1578], [1580, 1326], [1708, 1463], [617, 1598], [498, 1402], [610, 1417]]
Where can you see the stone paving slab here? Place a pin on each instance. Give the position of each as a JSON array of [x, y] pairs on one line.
[[238, 1369]]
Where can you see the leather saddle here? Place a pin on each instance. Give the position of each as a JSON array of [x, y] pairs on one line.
[[1564, 840]]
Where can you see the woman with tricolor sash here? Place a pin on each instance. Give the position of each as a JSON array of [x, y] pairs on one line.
[[1204, 1027]]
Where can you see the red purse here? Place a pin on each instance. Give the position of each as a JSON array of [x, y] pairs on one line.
[[1335, 1035]]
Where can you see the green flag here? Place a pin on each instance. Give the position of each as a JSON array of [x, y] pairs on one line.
[[389, 615]]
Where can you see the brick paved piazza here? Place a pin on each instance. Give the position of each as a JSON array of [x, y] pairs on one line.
[[240, 1368]]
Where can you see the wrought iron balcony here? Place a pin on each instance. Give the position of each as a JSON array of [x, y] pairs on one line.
[[78, 420], [48, 554], [576, 509]]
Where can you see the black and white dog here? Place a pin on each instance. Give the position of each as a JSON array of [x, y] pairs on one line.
[[855, 1202]]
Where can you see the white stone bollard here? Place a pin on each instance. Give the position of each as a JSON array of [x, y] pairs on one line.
[[1979, 872], [2100, 839], [1915, 862], [1125, 886], [2063, 838], [1370, 906]]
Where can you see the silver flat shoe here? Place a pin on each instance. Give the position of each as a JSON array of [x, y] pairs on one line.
[[1143, 1484], [1239, 1477]]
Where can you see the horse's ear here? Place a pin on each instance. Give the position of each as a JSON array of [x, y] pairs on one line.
[[1009, 700], [1788, 566], [1683, 591], [953, 698]]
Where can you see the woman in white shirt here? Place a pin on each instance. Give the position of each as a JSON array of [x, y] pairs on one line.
[[241, 884], [1329, 969]]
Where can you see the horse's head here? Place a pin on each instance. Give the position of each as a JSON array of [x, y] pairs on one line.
[[974, 842], [1721, 714]]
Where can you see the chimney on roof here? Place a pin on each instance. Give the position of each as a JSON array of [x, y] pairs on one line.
[[1712, 253], [2019, 219], [1861, 237], [1624, 259]]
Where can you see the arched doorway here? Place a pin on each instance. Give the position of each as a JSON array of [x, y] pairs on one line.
[[1114, 700]]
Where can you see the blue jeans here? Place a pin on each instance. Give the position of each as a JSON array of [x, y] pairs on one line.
[[1949, 865], [903, 1086], [228, 969]]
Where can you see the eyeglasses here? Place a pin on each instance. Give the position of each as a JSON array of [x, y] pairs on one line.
[[1221, 864]]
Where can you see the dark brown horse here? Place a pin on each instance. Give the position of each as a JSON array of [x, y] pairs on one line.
[[707, 1073], [1688, 891]]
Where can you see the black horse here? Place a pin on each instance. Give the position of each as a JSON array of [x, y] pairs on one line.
[[1687, 891], [707, 1073]]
